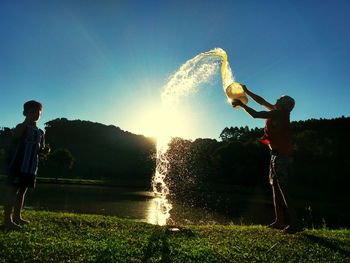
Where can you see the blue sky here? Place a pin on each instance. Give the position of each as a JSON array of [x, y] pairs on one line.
[[106, 61]]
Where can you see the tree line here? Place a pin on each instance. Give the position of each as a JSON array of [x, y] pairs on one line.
[[87, 150], [204, 171]]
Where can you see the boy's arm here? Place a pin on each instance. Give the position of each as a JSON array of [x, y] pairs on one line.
[[258, 99], [42, 141], [44, 147], [254, 113]]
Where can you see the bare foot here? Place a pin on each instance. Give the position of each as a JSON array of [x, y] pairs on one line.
[[12, 226], [21, 221], [277, 225], [292, 229]]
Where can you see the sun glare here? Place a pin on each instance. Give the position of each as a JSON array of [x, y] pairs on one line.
[[164, 123]]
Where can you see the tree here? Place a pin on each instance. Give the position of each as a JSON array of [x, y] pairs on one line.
[[104, 152], [62, 160]]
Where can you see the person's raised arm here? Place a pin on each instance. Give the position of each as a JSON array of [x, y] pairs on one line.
[[256, 114], [258, 99]]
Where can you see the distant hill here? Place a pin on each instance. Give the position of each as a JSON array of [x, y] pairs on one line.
[[103, 152], [107, 152], [98, 152]]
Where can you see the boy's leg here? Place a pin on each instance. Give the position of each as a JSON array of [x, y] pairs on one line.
[[9, 205], [294, 222], [19, 205], [277, 198], [278, 206]]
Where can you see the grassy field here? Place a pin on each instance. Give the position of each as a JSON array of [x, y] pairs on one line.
[[63, 237]]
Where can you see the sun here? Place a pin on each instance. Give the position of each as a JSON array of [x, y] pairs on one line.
[[164, 123]]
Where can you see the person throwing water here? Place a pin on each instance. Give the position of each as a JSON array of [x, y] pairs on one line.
[[278, 137]]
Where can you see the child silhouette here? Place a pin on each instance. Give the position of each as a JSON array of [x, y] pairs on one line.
[[29, 143]]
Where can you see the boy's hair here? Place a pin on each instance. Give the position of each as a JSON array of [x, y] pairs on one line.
[[288, 103], [32, 104]]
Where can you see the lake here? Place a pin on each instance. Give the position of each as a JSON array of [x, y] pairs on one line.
[[133, 203], [116, 201]]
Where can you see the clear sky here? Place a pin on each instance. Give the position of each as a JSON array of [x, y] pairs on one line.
[[106, 61]]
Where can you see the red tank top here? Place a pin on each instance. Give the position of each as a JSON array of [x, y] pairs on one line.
[[278, 134]]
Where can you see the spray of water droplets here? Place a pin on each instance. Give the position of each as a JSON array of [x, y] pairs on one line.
[[185, 81]]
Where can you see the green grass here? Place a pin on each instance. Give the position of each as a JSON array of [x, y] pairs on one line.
[[64, 237]]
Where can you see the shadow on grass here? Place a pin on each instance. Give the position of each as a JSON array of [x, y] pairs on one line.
[[336, 246], [6, 230], [158, 245]]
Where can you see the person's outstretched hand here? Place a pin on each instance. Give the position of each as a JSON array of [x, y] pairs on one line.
[[236, 103], [244, 87]]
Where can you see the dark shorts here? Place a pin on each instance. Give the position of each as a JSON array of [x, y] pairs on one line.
[[22, 179], [279, 169]]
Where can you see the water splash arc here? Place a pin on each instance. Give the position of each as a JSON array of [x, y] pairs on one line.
[[185, 81]]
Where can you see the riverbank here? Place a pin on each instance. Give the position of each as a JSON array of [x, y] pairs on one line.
[[75, 181], [67, 237], [222, 203], [65, 181]]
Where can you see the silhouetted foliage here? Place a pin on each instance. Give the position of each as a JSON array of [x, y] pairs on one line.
[[104, 152], [204, 171], [99, 152], [6, 148], [59, 163], [201, 171]]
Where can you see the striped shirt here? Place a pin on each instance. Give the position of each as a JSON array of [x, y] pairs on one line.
[[26, 156]]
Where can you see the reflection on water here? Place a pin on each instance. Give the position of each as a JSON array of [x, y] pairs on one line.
[[152, 211], [143, 206], [116, 201]]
